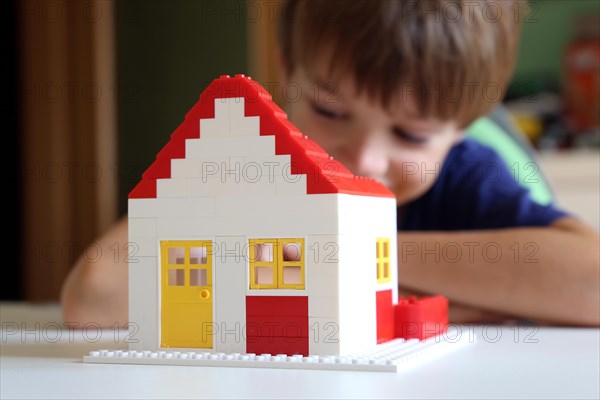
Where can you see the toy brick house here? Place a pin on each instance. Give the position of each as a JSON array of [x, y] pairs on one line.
[[249, 238]]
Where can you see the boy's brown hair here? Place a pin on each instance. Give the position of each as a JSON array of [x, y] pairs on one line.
[[454, 58]]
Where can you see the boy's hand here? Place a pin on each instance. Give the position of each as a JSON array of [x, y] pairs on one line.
[[463, 314], [97, 292]]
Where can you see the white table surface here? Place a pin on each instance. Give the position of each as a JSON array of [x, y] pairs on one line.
[[504, 362]]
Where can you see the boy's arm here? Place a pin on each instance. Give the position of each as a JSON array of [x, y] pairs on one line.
[[544, 274], [96, 292]]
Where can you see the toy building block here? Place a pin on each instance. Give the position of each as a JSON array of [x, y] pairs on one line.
[[235, 186], [277, 324], [421, 318], [397, 355], [385, 316]]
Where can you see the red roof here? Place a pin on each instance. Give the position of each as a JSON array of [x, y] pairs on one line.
[[324, 174]]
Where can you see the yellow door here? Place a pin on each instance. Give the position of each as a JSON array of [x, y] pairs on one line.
[[186, 299]]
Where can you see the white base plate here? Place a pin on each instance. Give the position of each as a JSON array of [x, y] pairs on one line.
[[393, 356]]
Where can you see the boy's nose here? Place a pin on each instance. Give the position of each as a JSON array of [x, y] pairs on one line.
[[367, 158]]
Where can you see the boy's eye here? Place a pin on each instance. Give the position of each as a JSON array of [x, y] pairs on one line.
[[408, 137], [329, 113]]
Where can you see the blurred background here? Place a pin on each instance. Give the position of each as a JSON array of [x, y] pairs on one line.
[[95, 88]]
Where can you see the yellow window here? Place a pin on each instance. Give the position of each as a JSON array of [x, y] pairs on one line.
[[383, 260], [263, 264], [277, 264]]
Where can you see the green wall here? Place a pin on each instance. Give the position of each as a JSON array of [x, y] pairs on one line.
[[547, 28], [168, 51]]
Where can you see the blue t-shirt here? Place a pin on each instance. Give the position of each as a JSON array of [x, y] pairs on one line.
[[475, 190]]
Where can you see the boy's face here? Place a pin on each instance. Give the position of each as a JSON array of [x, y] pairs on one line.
[[399, 149]]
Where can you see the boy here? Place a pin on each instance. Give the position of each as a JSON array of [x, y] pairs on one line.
[[387, 88]]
